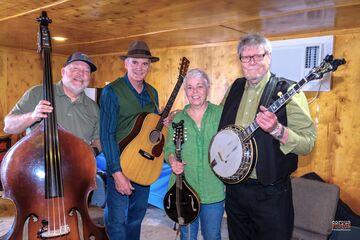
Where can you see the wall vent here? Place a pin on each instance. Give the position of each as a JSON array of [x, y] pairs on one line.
[[294, 58], [312, 56]]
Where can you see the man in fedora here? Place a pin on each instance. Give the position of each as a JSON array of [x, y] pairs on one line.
[[121, 101], [75, 111]]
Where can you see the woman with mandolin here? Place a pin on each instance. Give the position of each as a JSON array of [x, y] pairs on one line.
[[200, 119]]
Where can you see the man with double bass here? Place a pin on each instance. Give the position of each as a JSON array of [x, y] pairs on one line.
[[75, 111], [261, 207]]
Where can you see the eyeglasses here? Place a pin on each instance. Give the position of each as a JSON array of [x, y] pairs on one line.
[[256, 58]]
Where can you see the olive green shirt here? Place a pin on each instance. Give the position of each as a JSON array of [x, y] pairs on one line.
[[302, 131], [80, 117], [195, 153]]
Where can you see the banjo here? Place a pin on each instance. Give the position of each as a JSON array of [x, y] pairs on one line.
[[233, 150]]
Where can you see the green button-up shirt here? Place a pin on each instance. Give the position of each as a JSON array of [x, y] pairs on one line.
[[302, 131], [195, 153], [80, 117]]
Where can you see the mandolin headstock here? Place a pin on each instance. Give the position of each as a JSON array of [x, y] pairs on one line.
[[179, 137]]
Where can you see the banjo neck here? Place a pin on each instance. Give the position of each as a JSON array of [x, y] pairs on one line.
[[247, 132], [327, 65]]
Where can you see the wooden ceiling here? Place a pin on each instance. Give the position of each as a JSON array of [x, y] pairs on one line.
[[107, 26]]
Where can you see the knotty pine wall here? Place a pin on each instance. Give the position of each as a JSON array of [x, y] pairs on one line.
[[335, 156], [20, 70]]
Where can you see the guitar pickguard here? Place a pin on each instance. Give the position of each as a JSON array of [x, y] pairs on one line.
[[157, 149]]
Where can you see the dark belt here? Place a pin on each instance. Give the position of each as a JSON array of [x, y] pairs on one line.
[[253, 181]]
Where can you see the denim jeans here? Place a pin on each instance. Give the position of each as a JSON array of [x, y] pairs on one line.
[[210, 218], [123, 214]]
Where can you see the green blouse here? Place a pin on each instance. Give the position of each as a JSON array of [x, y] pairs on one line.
[[195, 153]]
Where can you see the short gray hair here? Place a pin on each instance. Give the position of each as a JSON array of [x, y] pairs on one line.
[[196, 72], [253, 39]]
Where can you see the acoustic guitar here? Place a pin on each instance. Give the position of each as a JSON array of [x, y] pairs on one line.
[[142, 150], [181, 202]]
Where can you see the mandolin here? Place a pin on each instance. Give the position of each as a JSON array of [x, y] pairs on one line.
[[181, 202]]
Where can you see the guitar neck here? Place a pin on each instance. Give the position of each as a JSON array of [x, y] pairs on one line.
[[247, 132], [170, 102]]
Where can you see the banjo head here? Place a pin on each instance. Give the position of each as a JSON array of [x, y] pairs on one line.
[[226, 153]]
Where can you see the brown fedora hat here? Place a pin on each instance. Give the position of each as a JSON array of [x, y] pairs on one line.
[[139, 49]]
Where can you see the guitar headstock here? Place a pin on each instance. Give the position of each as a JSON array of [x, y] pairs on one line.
[[329, 64], [179, 133], [44, 33], [184, 65]]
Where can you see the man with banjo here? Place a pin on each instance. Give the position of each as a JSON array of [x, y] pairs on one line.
[[260, 205]]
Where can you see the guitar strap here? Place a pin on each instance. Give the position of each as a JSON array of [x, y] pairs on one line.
[[152, 97], [269, 91]]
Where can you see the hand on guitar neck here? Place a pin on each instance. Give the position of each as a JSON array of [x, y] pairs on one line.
[[176, 166], [170, 117]]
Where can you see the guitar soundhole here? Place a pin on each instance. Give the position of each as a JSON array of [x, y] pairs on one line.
[[155, 137]]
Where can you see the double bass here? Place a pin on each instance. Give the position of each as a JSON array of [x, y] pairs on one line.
[[49, 174]]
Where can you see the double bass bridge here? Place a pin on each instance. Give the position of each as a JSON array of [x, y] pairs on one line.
[[45, 233]]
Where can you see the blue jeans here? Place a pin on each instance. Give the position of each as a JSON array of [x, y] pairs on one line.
[[123, 214], [210, 218]]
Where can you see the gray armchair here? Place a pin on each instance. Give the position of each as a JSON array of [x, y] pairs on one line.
[[314, 206]]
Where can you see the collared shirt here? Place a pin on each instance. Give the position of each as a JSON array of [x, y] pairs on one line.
[[302, 132], [80, 117], [109, 119], [195, 153]]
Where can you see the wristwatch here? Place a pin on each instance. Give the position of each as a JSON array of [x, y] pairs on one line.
[[278, 132]]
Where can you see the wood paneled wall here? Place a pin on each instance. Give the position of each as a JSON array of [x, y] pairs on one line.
[[334, 157], [20, 70]]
